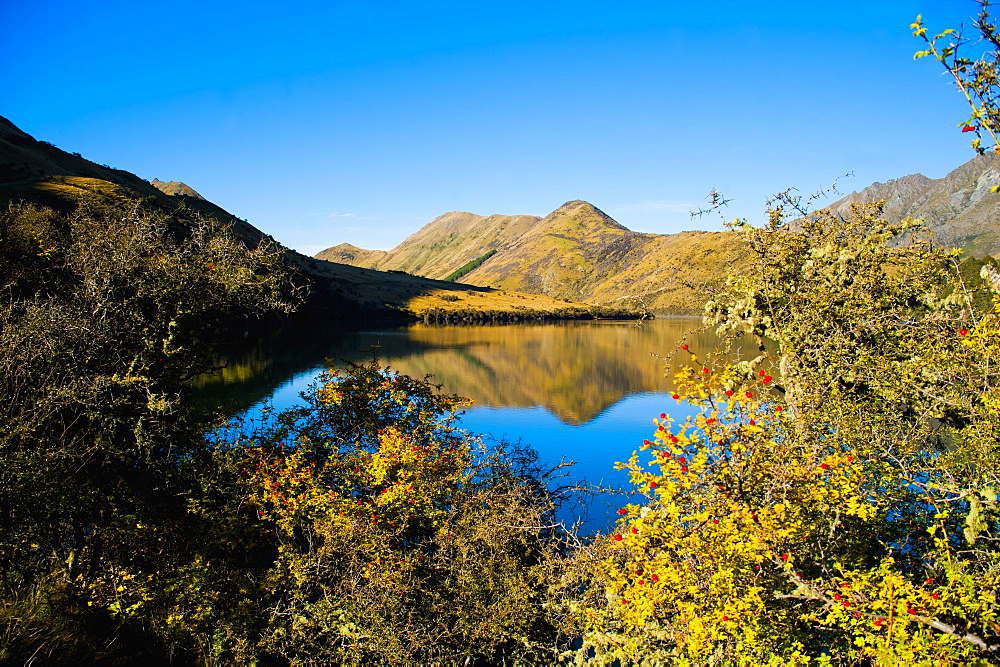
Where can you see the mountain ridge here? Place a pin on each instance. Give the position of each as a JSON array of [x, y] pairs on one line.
[[960, 208], [577, 253], [33, 171]]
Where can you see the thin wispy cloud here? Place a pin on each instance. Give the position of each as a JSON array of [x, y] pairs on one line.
[[349, 216]]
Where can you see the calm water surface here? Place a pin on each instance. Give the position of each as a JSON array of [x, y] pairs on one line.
[[580, 391]]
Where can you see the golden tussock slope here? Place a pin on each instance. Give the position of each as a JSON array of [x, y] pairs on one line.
[[576, 253]]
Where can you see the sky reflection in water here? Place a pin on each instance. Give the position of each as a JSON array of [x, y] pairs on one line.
[[586, 392]]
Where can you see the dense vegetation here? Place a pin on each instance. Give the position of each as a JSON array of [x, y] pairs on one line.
[[106, 312], [836, 497], [525, 314], [362, 527], [469, 266], [835, 500]]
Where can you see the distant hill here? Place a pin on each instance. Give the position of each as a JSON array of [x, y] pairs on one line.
[[960, 209], [441, 246], [37, 172], [577, 252], [174, 188]]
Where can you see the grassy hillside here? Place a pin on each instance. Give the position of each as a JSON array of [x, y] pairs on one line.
[[345, 253], [440, 247], [577, 253]]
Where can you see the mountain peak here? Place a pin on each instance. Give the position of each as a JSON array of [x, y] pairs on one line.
[[577, 206], [174, 188], [582, 216]]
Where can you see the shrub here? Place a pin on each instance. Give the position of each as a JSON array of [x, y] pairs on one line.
[[833, 500]]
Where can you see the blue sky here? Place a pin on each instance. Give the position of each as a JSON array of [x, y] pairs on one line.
[[326, 122]]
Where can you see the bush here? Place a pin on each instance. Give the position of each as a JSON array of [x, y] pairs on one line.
[[106, 312], [362, 528], [833, 500]]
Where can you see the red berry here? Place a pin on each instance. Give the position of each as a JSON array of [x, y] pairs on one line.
[[645, 442], [784, 556], [705, 371], [663, 415], [935, 596], [641, 582], [762, 373], [767, 379], [929, 581], [675, 396], [623, 511], [635, 531], [969, 128], [684, 347], [715, 521], [725, 618], [655, 577], [824, 466], [729, 392], [749, 394], [962, 332], [911, 610], [618, 538], [879, 622], [652, 485], [684, 468]]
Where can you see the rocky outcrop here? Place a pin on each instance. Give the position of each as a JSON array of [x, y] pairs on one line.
[[960, 209]]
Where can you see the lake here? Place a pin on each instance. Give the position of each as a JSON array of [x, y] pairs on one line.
[[580, 391]]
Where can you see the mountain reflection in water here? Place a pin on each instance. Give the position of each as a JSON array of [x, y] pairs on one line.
[[585, 391], [575, 370]]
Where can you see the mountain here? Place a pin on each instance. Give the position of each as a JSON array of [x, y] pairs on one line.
[[441, 246], [960, 209], [38, 172], [577, 253]]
